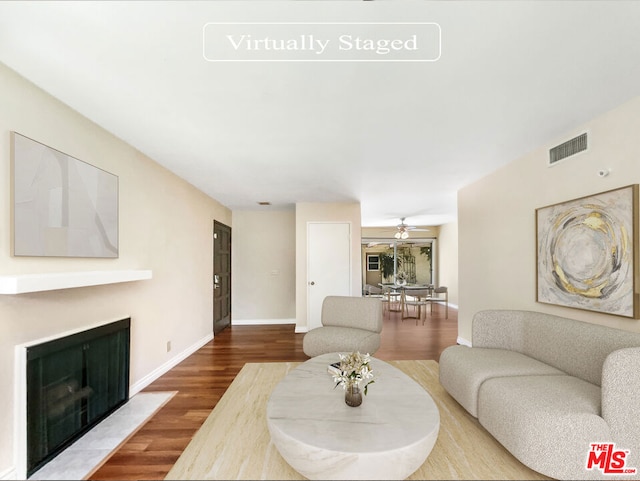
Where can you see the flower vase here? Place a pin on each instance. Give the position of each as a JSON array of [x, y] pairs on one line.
[[353, 395]]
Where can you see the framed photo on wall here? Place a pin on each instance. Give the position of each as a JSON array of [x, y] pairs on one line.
[[587, 253]]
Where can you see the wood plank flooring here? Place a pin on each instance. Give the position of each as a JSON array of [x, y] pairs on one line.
[[202, 379]]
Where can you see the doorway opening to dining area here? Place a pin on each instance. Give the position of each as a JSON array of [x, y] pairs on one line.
[[390, 261], [403, 273]]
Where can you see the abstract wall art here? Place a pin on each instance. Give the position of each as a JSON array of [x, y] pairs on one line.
[[587, 253], [62, 206]]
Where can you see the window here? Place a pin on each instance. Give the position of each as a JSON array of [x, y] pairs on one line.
[[373, 262]]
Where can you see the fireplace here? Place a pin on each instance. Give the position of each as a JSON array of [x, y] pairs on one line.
[[73, 383]]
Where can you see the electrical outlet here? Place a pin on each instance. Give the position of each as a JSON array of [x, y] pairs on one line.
[[168, 346]]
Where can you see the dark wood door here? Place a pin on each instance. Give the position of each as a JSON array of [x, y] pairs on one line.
[[221, 276]]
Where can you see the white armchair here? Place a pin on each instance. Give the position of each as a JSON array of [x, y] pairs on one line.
[[348, 324]]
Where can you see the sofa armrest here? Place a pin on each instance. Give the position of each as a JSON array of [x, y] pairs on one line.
[[621, 398]]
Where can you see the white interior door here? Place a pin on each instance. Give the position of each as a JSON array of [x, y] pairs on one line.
[[328, 265]]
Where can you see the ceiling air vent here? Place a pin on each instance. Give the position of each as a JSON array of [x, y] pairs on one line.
[[567, 149]]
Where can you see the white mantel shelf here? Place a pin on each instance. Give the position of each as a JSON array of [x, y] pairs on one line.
[[22, 284]]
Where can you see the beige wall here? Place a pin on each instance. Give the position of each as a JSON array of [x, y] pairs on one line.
[[496, 216], [447, 260], [166, 225], [324, 212], [264, 266]]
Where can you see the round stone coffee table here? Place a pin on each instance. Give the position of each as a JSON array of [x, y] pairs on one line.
[[389, 436]]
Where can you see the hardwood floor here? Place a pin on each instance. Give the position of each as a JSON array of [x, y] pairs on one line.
[[201, 380]]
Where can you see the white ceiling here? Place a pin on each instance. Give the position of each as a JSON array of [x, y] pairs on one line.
[[401, 138]]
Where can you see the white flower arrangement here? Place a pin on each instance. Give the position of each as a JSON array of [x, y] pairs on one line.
[[401, 276], [354, 369]]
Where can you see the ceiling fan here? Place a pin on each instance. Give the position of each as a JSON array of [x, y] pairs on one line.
[[404, 229]]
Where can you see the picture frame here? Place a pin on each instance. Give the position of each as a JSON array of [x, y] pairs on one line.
[[61, 206], [587, 253]]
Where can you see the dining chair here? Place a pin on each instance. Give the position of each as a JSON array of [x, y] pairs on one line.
[[416, 298], [391, 297], [378, 292], [373, 291], [435, 298]]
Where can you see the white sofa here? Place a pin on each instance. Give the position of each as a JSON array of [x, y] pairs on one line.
[[546, 387]]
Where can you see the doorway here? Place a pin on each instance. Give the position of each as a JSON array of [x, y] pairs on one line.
[[221, 276], [382, 259]]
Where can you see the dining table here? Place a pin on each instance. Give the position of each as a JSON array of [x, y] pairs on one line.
[[394, 289]]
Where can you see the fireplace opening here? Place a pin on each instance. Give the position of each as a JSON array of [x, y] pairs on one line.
[[73, 383]]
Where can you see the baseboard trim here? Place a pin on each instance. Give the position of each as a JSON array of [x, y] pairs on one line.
[[301, 329], [167, 366], [9, 473], [462, 341], [258, 322]]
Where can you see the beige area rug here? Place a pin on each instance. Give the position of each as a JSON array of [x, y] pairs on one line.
[[234, 441]]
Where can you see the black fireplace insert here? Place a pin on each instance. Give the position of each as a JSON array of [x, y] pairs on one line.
[[72, 384]]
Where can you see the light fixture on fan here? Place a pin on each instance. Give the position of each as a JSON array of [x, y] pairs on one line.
[[402, 233], [403, 229]]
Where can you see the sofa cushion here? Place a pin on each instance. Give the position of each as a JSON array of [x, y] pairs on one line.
[[463, 370], [547, 422], [339, 339]]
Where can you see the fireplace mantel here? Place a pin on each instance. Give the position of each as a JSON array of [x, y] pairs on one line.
[[21, 284]]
